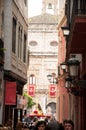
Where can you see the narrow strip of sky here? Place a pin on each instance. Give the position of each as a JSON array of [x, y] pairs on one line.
[[34, 7]]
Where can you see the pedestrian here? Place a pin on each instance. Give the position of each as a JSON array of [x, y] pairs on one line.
[[53, 123], [40, 125], [19, 126], [47, 127], [64, 122], [46, 120], [33, 123], [9, 124], [69, 125], [61, 127]]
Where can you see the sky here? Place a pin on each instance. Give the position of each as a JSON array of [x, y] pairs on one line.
[[34, 7]]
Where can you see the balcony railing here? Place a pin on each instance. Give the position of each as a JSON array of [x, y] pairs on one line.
[[80, 11], [73, 8]]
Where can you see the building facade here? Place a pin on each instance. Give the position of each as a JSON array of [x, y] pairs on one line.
[[76, 22], [1, 61], [14, 29], [74, 88], [43, 51]]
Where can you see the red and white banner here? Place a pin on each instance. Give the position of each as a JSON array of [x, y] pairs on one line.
[[10, 93], [31, 90], [52, 90]]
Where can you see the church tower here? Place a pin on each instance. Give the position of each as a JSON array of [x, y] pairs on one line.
[[43, 56], [50, 6]]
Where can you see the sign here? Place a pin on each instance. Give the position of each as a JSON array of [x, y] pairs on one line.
[[31, 90], [52, 91], [10, 93]]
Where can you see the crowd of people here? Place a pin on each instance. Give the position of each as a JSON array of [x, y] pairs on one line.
[[42, 124], [50, 124]]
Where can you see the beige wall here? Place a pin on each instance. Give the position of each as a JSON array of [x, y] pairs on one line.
[[12, 62], [43, 60]]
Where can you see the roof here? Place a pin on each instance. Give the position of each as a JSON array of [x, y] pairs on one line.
[[44, 19]]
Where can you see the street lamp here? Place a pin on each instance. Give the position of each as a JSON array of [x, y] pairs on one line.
[[71, 82], [68, 81], [73, 65], [49, 77], [63, 66], [52, 79], [65, 30]]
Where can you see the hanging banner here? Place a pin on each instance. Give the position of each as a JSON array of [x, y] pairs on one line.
[[10, 93], [52, 91], [31, 90]]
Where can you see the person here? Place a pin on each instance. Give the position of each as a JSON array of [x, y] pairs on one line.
[[19, 125], [53, 123], [33, 123], [40, 125], [64, 122], [61, 127], [46, 120], [9, 124], [47, 127], [69, 125]]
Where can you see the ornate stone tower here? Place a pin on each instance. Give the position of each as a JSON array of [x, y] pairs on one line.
[[50, 6]]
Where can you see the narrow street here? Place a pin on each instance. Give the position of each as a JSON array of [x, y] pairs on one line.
[[43, 64]]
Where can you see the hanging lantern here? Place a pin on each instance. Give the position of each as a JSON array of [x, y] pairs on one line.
[[68, 82], [73, 65], [63, 66], [49, 77]]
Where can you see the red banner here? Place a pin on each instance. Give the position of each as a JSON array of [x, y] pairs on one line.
[[31, 90], [52, 90], [10, 93]]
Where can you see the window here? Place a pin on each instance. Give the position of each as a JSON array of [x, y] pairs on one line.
[[54, 43], [32, 79], [25, 2], [32, 43], [49, 6], [14, 36], [20, 42], [24, 48]]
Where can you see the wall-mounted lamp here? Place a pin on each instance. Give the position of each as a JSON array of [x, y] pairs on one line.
[[68, 81], [52, 79], [73, 65], [71, 82], [65, 30], [49, 77], [63, 66]]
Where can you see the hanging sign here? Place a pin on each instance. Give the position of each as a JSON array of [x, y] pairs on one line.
[[52, 91], [31, 90]]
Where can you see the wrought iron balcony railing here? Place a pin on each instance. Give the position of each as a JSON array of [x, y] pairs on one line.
[[73, 8]]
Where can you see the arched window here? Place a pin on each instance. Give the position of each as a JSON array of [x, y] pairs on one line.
[[49, 6], [32, 79], [25, 2]]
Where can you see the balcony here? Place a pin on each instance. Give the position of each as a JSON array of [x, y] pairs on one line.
[[76, 20]]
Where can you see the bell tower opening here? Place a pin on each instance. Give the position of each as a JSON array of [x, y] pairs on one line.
[[50, 6]]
